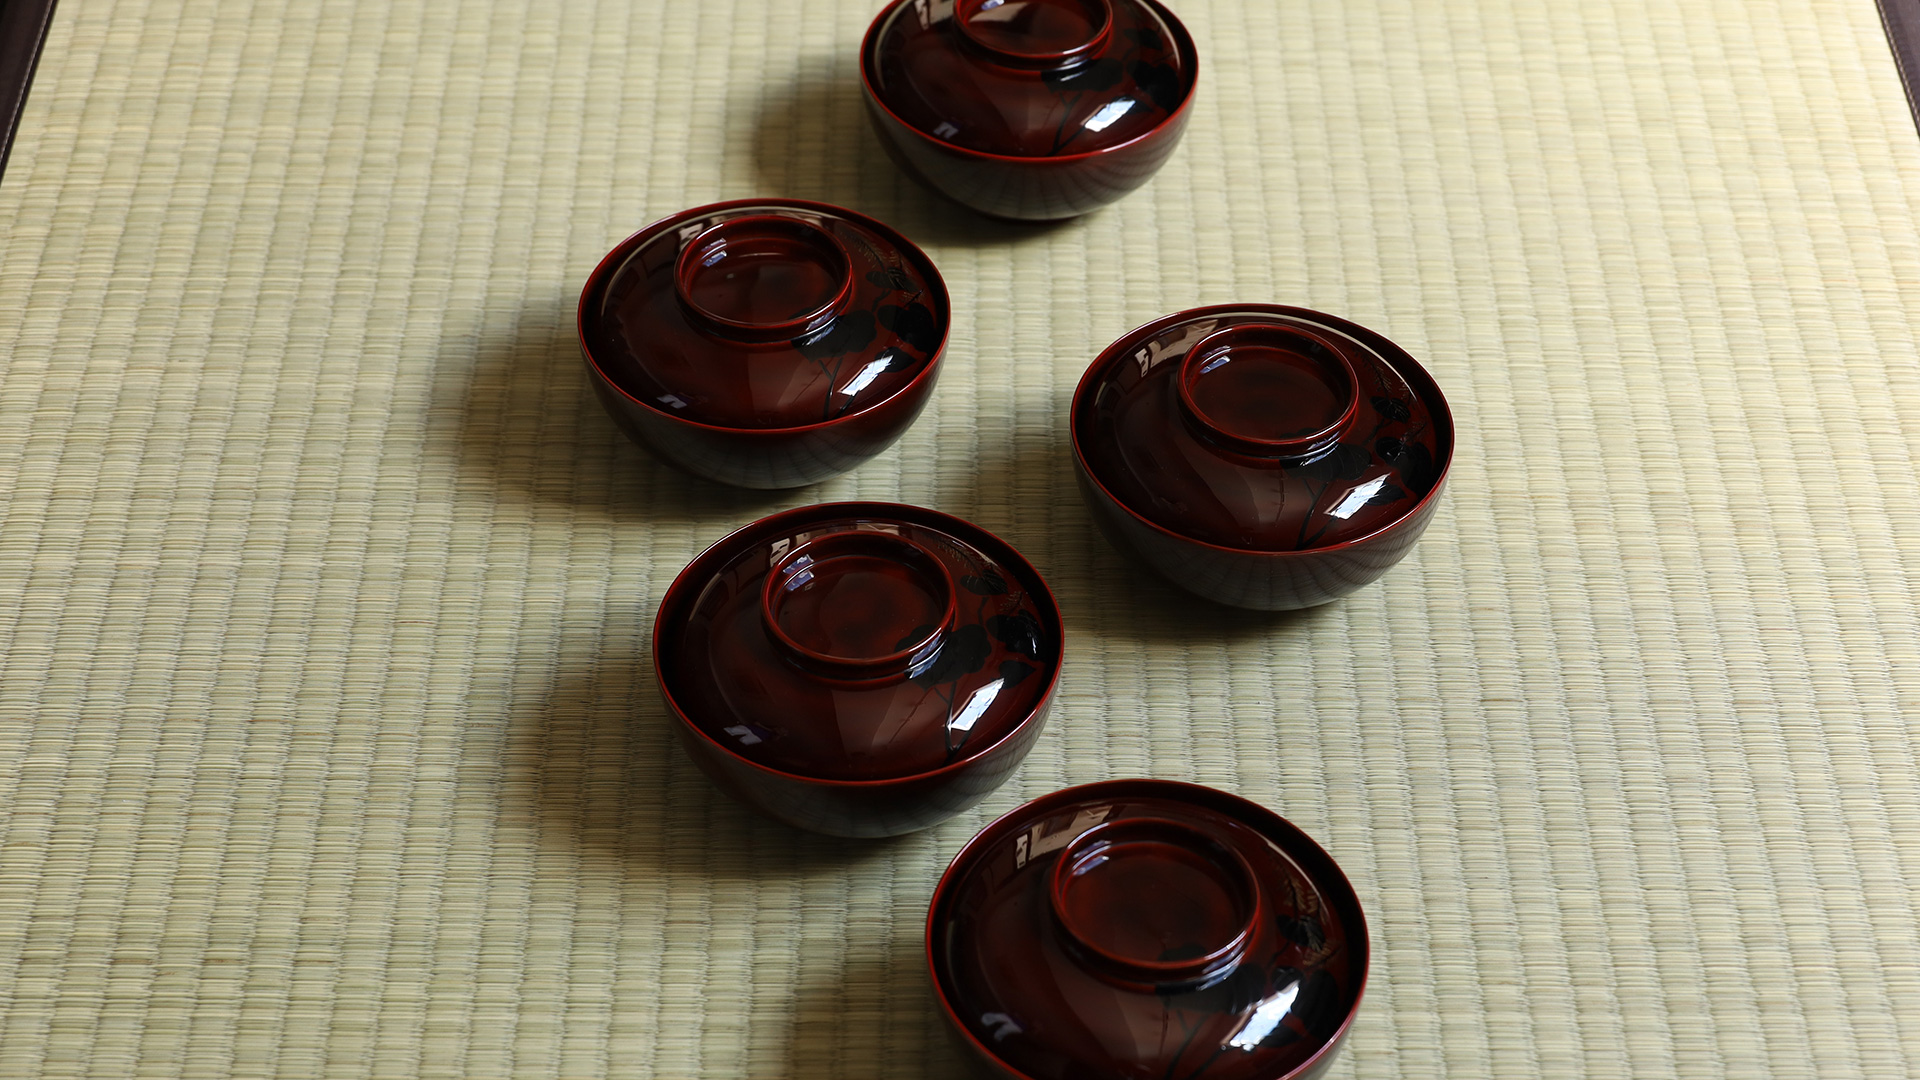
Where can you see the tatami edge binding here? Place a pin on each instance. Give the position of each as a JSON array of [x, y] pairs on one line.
[[23, 29], [1902, 21]]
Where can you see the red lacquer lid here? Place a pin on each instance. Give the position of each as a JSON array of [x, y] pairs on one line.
[[764, 313], [858, 641], [1262, 428], [1030, 78], [1147, 928]]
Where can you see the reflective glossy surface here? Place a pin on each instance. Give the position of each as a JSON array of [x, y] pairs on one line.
[[1255, 432], [1033, 109], [765, 343], [859, 668], [1147, 928], [1261, 456], [1030, 78]]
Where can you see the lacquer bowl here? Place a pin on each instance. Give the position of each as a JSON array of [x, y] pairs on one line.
[[1147, 928], [1029, 109], [858, 669], [765, 343], [1261, 456]]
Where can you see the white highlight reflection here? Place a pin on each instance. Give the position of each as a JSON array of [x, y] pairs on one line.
[[1261, 1022], [867, 374], [976, 706], [1358, 498], [1109, 115]]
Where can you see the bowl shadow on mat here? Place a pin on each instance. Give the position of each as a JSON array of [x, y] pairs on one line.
[[516, 412], [812, 140], [1096, 585], [601, 768]]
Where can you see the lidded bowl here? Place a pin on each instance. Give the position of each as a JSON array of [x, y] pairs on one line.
[[766, 343], [859, 669], [1261, 456], [1029, 109], [1147, 928]]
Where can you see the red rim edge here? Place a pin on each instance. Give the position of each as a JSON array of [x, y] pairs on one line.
[[1213, 798], [897, 511], [1419, 376], [1183, 40], [600, 272]]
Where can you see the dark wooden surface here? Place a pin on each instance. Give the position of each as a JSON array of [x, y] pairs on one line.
[[23, 26]]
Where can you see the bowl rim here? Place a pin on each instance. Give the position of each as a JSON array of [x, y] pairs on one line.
[[602, 270], [897, 512], [1213, 798], [1184, 42], [1416, 374]]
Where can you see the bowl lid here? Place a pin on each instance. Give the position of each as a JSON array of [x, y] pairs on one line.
[[858, 641], [764, 313], [1264, 428], [1030, 78], [1147, 928]]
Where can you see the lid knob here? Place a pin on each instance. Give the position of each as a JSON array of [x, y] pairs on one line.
[[858, 605], [1153, 902], [1269, 390], [763, 277], [1035, 33]]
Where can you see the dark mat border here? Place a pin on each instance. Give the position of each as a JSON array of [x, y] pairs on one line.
[[1902, 20], [23, 29]]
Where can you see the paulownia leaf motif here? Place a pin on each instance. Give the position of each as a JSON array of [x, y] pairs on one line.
[[1159, 82], [891, 277], [1019, 632], [984, 584], [1413, 461], [912, 323], [1392, 408]]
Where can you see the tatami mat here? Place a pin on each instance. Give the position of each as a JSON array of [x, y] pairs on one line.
[[328, 745]]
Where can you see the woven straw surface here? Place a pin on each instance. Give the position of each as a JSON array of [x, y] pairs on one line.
[[328, 745]]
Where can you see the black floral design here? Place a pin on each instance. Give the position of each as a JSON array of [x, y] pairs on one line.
[[1014, 672], [898, 360], [1412, 460], [913, 323], [1019, 632], [1388, 494], [967, 649], [963, 652], [1319, 1005], [1304, 931], [891, 277], [986, 584], [1392, 408], [1345, 462], [828, 346], [1160, 82]]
